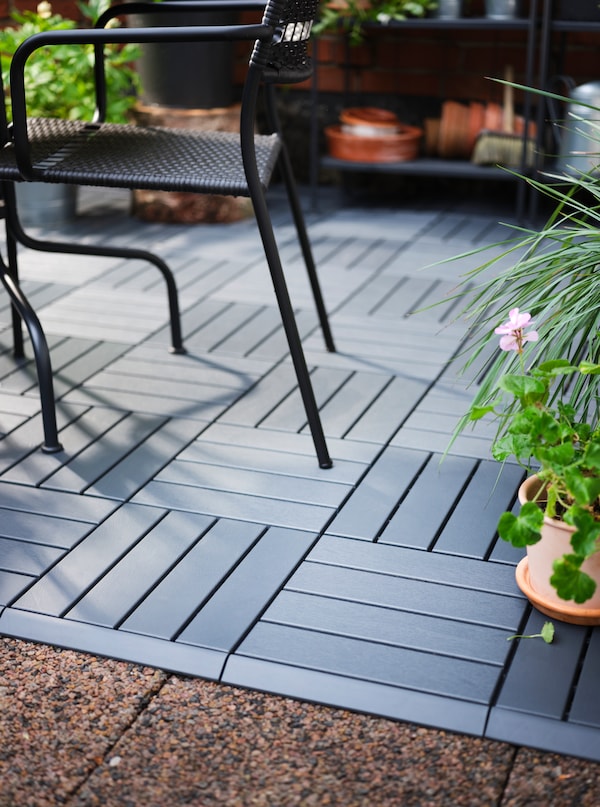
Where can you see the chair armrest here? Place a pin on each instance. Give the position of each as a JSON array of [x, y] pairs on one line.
[[100, 37], [181, 6]]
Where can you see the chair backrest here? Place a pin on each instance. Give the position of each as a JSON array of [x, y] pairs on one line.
[[285, 59]]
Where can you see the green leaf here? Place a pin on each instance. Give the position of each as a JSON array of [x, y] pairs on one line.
[[584, 539], [584, 489], [556, 367], [589, 368], [524, 529], [524, 387], [547, 633], [478, 412], [591, 455], [570, 582]]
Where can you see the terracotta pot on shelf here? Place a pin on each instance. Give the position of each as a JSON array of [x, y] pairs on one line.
[[371, 135], [535, 570]]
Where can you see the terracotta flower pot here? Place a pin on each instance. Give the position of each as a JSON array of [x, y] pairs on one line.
[[384, 148], [534, 571]]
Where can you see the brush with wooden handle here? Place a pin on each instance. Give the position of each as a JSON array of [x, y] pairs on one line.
[[505, 146]]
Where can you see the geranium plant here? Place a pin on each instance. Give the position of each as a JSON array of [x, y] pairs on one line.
[[562, 449], [59, 81]]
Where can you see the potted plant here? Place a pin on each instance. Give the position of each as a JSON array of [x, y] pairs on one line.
[[559, 518], [59, 83], [351, 15], [543, 386]]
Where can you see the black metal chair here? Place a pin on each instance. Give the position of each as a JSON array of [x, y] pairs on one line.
[[135, 157]]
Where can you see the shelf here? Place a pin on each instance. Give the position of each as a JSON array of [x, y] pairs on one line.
[[424, 166]]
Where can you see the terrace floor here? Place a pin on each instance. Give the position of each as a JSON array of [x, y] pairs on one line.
[[187, 525]]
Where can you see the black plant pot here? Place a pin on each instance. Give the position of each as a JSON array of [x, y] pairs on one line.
[[579, 10], [186, 75]]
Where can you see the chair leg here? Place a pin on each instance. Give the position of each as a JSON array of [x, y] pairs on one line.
[[13, 270], [42, 358], [16, 231], [289, 181], [296, 208], [290, 327]]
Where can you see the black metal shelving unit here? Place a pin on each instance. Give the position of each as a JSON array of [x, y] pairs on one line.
[[429, 166]]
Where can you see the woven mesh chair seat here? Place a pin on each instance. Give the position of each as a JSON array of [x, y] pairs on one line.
[[144, 157]]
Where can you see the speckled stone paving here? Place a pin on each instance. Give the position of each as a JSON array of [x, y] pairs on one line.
[[188, 529]]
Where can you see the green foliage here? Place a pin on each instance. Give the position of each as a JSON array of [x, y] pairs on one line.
[[59, 79], [547, 634], [351, 15], [566, 453]]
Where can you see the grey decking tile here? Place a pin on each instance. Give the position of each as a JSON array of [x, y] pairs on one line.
[[228, 504], [113, 597], [71, 577], [367, 510], [380, 420], [180, 658], [585, 707], [239, 601], [82, 434], [27, 558], [11, 585], [388, 626], [396, 666], [256, 483], [166, 610], [353, 693], [88, 510], [42, 528], [555, 664], [424, 510], [428, 596], [471, 528], [405, 562], [141, 463]]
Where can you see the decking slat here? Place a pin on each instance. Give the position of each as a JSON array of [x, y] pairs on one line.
[[423, 511], [238, 602], [387, 626], [419, 596], [171, 604], [535, 662], [371, 504], [439, 675], [66, 582]]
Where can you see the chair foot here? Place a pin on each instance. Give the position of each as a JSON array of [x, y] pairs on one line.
[[53, 448], [178, 351], [326, 464]]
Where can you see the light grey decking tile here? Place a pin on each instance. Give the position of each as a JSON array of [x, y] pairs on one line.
[[425, 508], [404, 562], [471, 528], [426, 596], [26, 557], [264, 459], [388, 626], [256, 483], [114, 596], [380, 421], [585, 707], [139, 466], [226, 504], [64, 584], [367, 510], [440, 675], [175, 599], [84, 433], [40, 528], [289, 444], [239, 601], [29, 499], [11, 585]]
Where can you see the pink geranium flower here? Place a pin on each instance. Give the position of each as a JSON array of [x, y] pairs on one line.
[[512, 333]]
